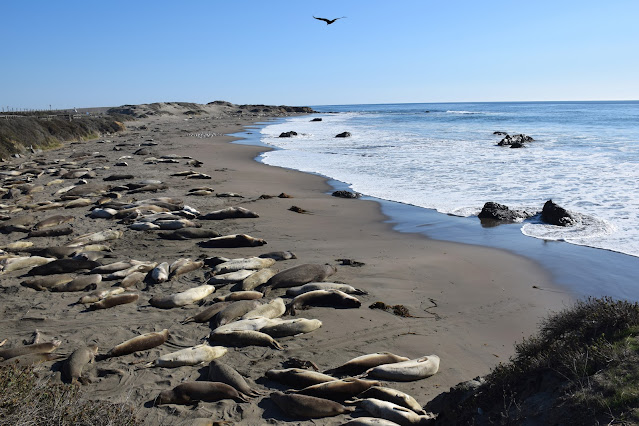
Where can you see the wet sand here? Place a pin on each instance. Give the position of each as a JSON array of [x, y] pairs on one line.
[[469, 304]]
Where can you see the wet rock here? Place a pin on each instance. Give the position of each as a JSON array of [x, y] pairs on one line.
[[343, 135], [288, 134], [556, 215], [346, 194], [500, 212]]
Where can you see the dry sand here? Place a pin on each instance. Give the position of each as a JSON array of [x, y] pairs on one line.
[[470, 304]]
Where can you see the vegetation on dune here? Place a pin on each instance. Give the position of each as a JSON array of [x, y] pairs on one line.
[[27, 399], [19, 133], [582, 367]]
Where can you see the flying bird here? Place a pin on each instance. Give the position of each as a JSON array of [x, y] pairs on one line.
[[328, 21]]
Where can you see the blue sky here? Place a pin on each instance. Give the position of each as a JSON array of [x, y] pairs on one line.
[[103, 53]]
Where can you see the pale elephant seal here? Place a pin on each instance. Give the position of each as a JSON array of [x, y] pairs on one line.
[[242, 338], [189, 356], [298, 377], [370, 421], [180, 268], [239, 295], [53, 221], [133, 279], [72, 368], [232, 241], [62, 266], [229, 213], [308, 407], [339, 390], [257, 278], [23, 262], [274, 309], [330, 298], [239, 264], [114, 300], [111, 267], [31, 359], [348, 289], [38, 348], [98, 295], [406, 371], [160, 273], [392, 395], [139, 343], [300, 275], [187, 297], [231, 277], [189, 233], [278, 255], [362, 363], [393, 412], [191, 392], [292, 327], [223, 373]]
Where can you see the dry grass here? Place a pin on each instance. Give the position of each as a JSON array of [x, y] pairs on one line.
[[28, 399]]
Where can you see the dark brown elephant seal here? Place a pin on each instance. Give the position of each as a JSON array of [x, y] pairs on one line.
[[300, 275], [233, 241], [189, 233], [229, 213], [298, 377], [63, 266], [233, 312], [191, 392], [339, 390], [332, 298], [51, 232], [223, 373], [308, 407]]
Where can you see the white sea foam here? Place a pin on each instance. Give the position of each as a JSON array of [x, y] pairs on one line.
[[456, 167]]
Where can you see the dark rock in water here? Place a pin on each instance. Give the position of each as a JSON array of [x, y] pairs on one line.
[[288, 134], [555, 215], [343, 135], [316, 119], [515, 140], [346, 194], [517, 145], [501, 212], [500, 133]]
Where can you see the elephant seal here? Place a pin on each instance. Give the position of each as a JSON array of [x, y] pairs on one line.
[[245, 338], [231, 277], [229, 213], [187, 297], [296, 291], [57, 252], [184, 266], [38, 348], [139, 343], [50, 232], [72, 368], [239, 264], [239, 295], [191, 392], [133, 279], [114, 300], [80, 283], [292, 327], [223, 373], [62, 266], [393, 412], [46, 282], [232, 241], [23, 262], [300, 275], [308, 407], [394, 396], [331, 298], [111, 267], [96, 237], [406, 371], [257, 278], [160, 273], [339, 390], [189, 233], [370, 421], [53, 221], [362, 363], [190, 356], [298, 377], [97, 295], [31, 359], [274, 309], [278, 255], [208, 313], [233, 311]]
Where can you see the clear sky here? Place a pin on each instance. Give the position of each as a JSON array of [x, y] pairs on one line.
[[86, 53]]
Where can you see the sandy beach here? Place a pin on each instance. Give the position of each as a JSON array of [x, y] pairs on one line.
[[469, 305]]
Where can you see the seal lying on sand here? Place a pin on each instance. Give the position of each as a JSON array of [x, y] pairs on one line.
[[229, 213], [393, 412], [191, 392], [62, 266], [406, 371], [232, 241], [308, 407], [139, 343], [332, 298], [189, 356], [38, 348], [362, 363], [298, 377], [300, 275], [189, 233], [339, 390], [220, 372], [394, 396]]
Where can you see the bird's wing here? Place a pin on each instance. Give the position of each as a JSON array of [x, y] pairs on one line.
[[321, 19]]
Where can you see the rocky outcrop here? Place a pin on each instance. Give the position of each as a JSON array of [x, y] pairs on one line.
[[501, 212], [514, 141], [343, 135], [556, 215], [288, 134], [346, 194]]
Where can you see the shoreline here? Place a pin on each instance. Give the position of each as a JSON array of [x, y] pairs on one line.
[[470, 304]]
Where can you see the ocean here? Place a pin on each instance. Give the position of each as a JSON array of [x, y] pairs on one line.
[[444, 158]]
